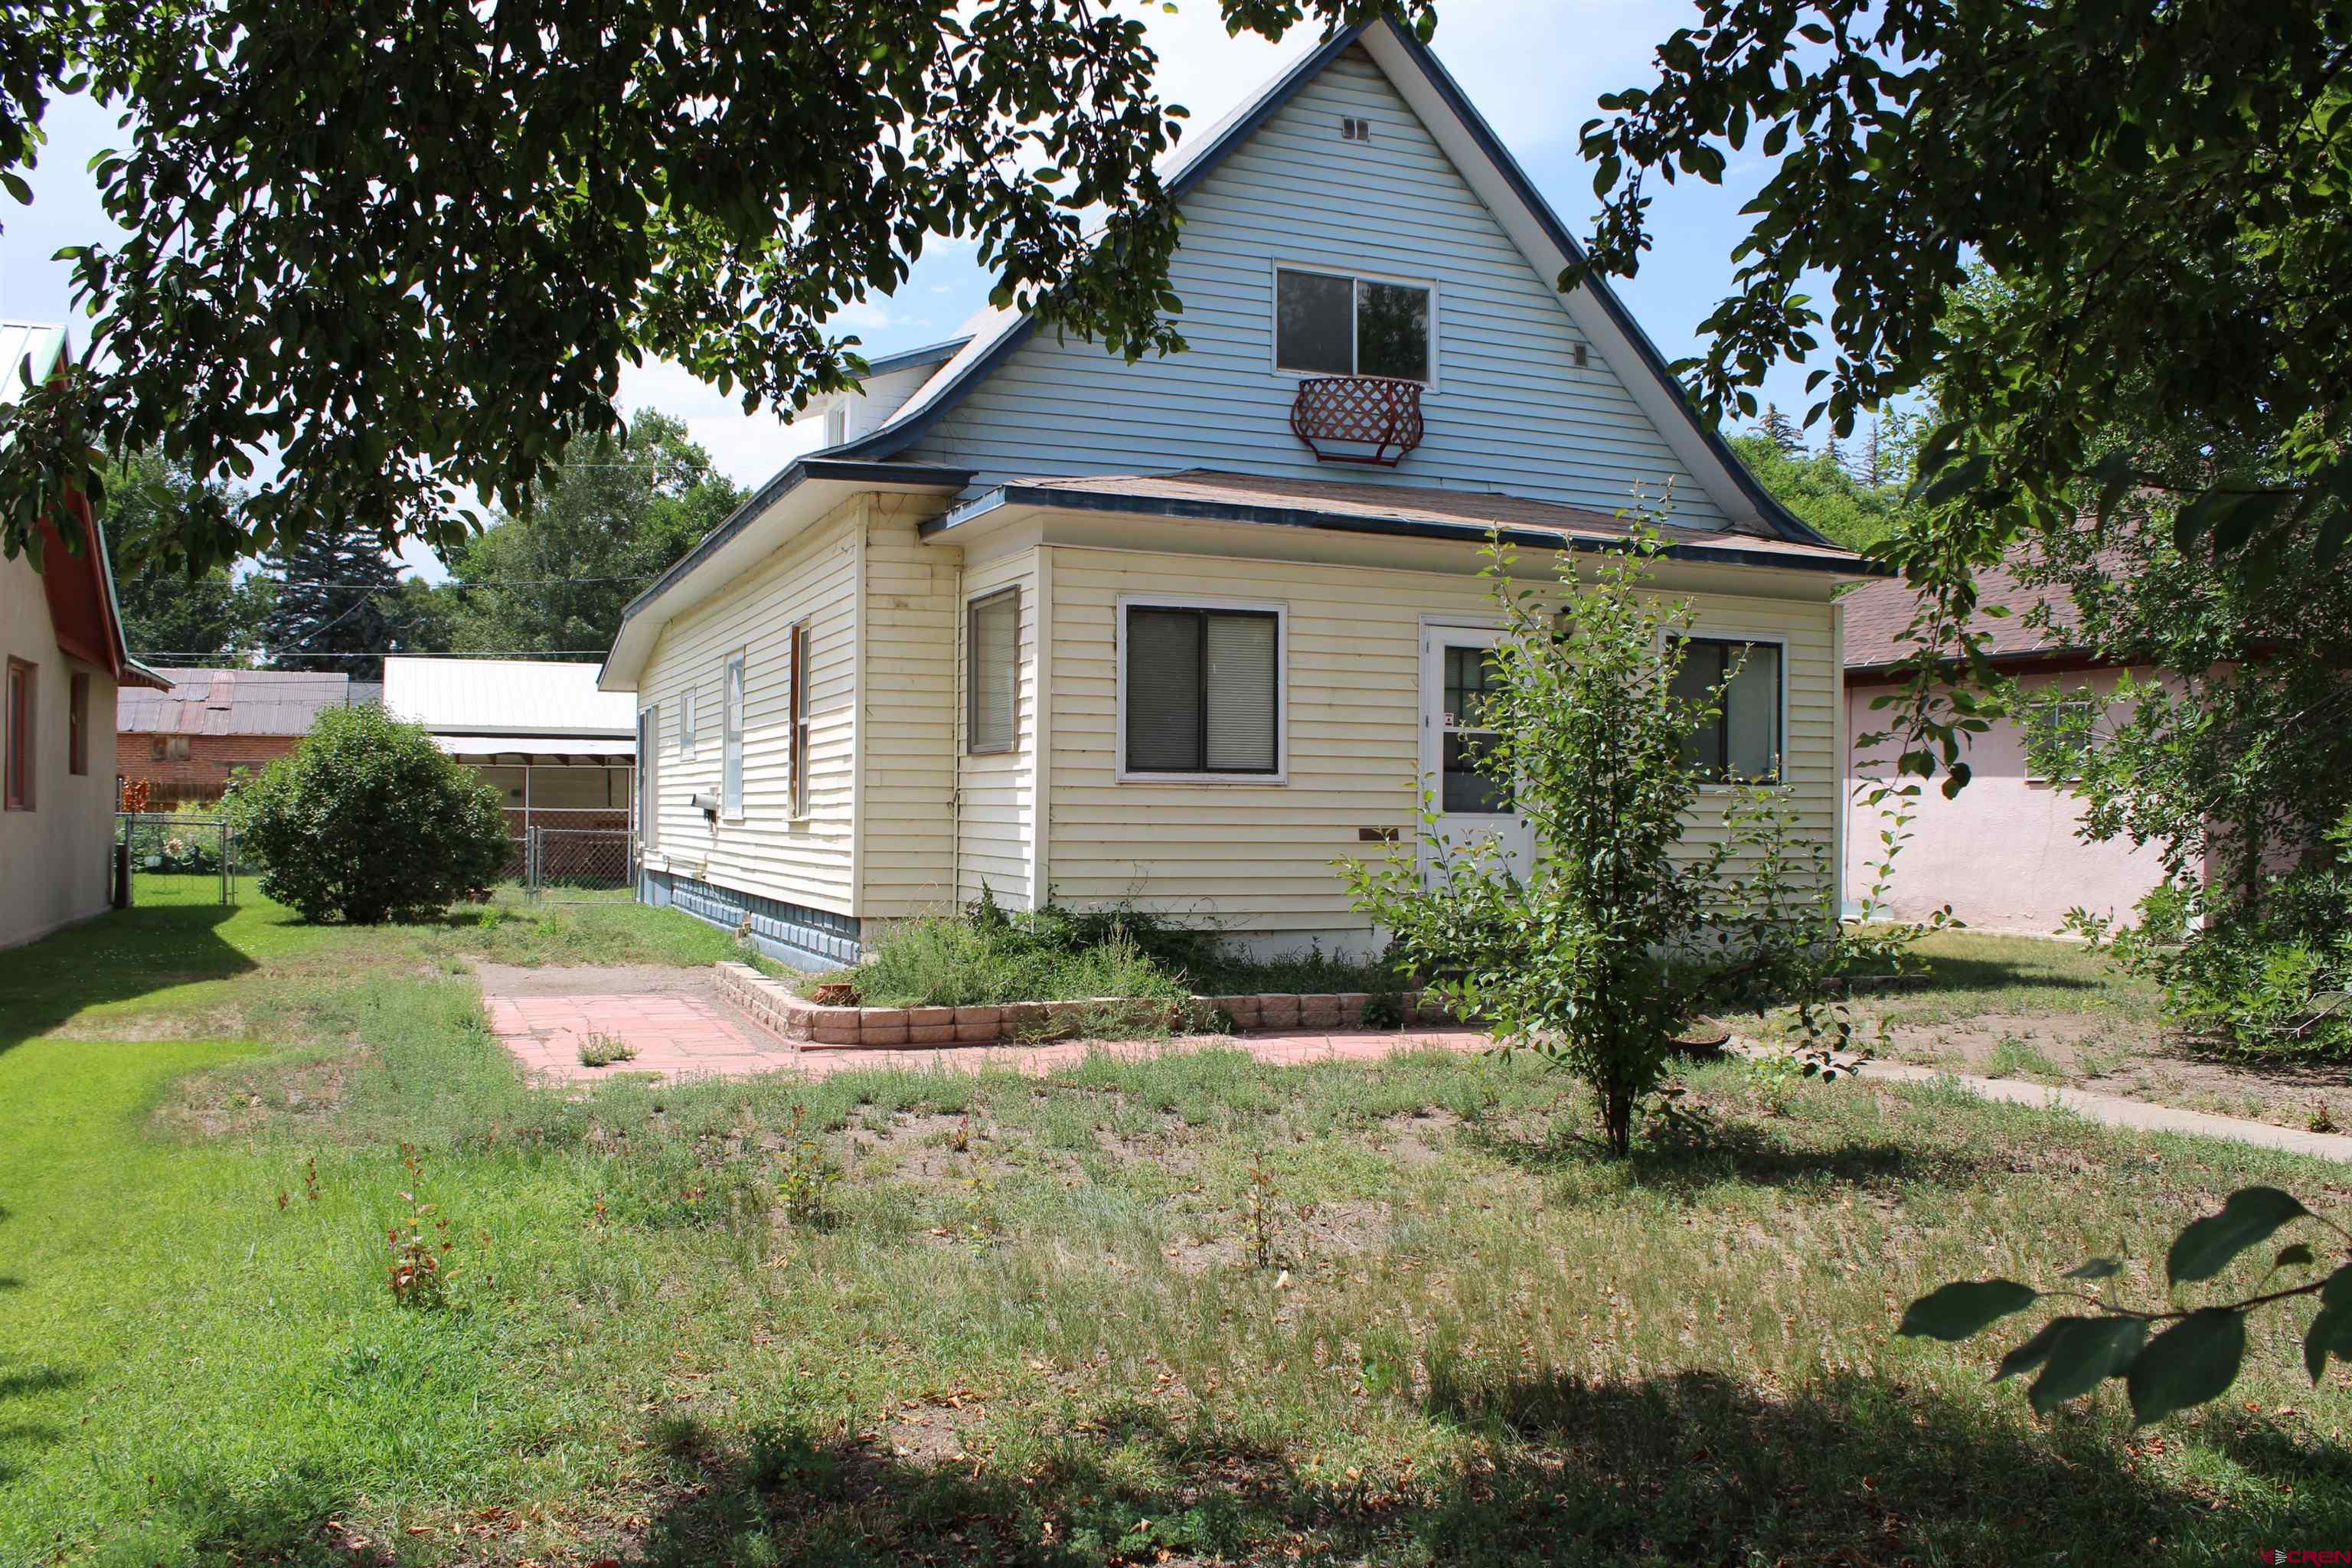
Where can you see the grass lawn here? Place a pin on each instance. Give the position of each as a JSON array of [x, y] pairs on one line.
[[1196, 1310]]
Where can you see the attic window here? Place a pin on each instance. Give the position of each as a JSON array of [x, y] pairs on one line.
[[1332, 323], [1354, 130], [836, 427]]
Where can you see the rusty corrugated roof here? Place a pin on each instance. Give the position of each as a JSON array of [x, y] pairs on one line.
[[235, 703]]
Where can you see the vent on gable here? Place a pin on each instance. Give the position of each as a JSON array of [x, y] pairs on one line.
[[1583, 356], [1354, 130]]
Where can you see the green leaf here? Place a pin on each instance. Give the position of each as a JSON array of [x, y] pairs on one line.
[[2330, 1334], [2084, 1353], [2032, 1353], [2298, 1255], [2248, 1217], [2192, 1361], [2096, 1268], [1965, 1307]]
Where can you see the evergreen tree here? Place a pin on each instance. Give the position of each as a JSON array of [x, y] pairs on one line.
[[1833, 453], [1782, 431], [332, 596]]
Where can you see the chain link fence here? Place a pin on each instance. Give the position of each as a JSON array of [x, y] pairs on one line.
[[576, 864], [181, 857]]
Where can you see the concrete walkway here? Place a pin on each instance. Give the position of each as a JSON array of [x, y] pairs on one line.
[[2115, 1110]]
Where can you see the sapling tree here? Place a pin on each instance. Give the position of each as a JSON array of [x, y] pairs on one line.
[[1622, 925]]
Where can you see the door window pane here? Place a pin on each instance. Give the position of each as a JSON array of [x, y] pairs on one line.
[[1314, 323], [1393, 330], [1465, 782]]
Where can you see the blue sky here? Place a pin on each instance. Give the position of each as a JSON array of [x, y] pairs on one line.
[[1534, 69]]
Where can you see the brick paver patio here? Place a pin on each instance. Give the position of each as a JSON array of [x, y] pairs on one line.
[[682, 1036]]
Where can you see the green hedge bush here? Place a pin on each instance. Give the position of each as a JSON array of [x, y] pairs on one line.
[[367, 820]]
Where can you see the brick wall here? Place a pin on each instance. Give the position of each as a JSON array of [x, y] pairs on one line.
[[202, 773]]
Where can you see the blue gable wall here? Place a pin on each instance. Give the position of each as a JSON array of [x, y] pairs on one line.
[[1511, 410]]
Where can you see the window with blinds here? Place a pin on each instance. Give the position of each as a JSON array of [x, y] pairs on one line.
[[1203, 690], [1742, 743], [730, 741], [992, 672]]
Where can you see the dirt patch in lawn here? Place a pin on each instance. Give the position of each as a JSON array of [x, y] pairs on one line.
[[2129, 1057], [597, 980]]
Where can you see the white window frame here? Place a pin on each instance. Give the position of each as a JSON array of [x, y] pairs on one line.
[[1281, 611], [972, 748], [2076, 697], [1356, 274], [686, 725], [837, 425], [648, 802], [733, 720], [1710, 632]]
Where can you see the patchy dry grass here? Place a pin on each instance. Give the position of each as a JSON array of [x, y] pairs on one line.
[[1028, 1322]]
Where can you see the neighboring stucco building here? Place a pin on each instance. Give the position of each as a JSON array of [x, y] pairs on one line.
[[62, 659], [186, 743], [2005, 854], [1188, 630]]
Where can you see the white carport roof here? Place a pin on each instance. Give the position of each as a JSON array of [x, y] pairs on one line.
[[523, 705]]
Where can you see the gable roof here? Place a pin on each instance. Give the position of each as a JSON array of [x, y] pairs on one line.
[[1499, 181], [79, 582], [236, 702]]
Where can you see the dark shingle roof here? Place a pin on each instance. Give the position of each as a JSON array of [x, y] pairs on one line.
[[1877, 613]]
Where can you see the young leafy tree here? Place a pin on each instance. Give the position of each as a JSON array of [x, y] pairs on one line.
[[555, 577], [1820, 489], [166, 610], [1619, 930], [411, 245], [2160, 189]]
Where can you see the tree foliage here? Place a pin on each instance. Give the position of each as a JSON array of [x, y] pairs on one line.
[[411, 246], [164, 609], [368, 820], [1619, 928], [2161, 191], [1825, 492], [333, 604], [2171, 1357], [618, 511]]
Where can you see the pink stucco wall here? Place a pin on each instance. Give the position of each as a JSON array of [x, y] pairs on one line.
[[2004, 853]]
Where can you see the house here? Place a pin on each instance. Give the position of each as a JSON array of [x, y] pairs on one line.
[[561, 753], [1186, 632], [64, 657], [187, 742], [2005, 853]]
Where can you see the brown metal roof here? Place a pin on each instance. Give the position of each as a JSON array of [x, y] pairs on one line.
[[236, 702], [1408, 504], [1877, 613]]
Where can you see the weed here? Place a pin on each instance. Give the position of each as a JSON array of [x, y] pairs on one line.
[[805, 1178], [1385, 1010], [1673, 1122], [1258, 1221], [603, 1051], [420, 1246], [2014, 1057], [2321, 1118]]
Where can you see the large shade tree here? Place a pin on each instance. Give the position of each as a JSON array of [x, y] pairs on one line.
[[410, 246], [2163, 189]]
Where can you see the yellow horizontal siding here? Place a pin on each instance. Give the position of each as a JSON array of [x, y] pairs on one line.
[[1259, 856], [910, 628], [997, 812]]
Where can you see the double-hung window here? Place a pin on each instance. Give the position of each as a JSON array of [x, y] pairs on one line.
[[993, 677], [797, 729], [730, 739], [1201, 691], [686, 726], [1740, 743], [1333, 323]]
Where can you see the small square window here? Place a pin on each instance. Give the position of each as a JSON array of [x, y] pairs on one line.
[[1352, 129], [1203, 690], [2063, 732]]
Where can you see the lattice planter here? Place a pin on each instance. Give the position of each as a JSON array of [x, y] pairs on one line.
[[1363, 419]]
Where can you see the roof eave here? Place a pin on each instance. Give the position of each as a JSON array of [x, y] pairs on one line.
[[1048, 498]]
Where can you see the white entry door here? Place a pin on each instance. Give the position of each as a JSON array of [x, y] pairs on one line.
[[1456, 671]]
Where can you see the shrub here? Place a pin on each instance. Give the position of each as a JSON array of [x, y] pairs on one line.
[[367, 819]]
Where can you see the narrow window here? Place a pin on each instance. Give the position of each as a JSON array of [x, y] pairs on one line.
[[1742, 743], [836, 427], [686, 726], [21, 715], [731, 741], [800, 726], [78, 725], [649, 776], [993, 657], [1203, 690], [1332, 324]]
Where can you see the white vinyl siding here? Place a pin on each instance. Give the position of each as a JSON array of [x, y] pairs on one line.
[[1260, 858], [812, 579], [1512, 411]]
